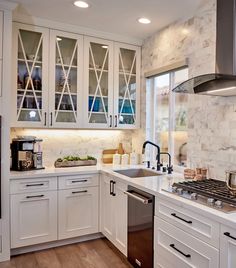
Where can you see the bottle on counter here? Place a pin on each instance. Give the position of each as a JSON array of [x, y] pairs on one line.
[[121, 149], [134, 159], [124, 159], [116, 159]]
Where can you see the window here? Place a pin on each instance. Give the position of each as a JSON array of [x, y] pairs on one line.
[[167, 115]]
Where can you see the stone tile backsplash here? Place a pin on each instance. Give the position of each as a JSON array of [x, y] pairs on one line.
[[211, 120], [59, 143]]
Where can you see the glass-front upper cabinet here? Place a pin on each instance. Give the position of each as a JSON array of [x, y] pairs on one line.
[[30, 75], [65, 79], [98, 83], [127, 86]]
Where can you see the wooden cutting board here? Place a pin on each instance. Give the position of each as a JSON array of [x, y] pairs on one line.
[[107, 155]]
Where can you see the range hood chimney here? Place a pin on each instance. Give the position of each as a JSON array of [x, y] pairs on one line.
[[223, 81]]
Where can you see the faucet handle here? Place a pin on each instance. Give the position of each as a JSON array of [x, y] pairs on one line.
[[169, 169], [148, 163]]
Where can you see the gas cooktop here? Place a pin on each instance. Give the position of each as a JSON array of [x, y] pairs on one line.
[[213, 193]]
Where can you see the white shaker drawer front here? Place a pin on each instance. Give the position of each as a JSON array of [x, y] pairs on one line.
[[191, 222], [227, 247], [175, 248], [69, 182], [33, 185]]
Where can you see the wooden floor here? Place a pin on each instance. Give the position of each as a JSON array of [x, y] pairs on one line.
[[98, 253]]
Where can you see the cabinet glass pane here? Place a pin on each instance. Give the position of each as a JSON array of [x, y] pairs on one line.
[[127, 86], [29, 77], [66, 65], [98, 83]]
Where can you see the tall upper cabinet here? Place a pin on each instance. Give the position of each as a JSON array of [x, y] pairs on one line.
[[30, 75], [65, 80], [65, 84], [98, 82], [127, 86]]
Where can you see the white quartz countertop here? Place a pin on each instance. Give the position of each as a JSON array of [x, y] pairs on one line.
[[155, 185]]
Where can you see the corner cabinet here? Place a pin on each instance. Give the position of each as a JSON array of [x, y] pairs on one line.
[[66, 80]]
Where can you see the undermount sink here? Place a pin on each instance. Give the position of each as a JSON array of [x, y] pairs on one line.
[[137, 173]]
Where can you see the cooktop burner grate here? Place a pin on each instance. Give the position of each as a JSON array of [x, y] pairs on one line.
[[209, 188]]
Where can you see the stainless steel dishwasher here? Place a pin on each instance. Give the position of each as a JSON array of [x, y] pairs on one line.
[[140, 227]]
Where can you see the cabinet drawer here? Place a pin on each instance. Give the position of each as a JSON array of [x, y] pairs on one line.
[[191, 222], [68, 182], [33, 185], [227, 247], [176, 248]]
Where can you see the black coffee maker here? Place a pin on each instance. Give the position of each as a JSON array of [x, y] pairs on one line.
[[26, 153]]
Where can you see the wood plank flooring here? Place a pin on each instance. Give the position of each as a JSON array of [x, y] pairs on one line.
[[98, 253]]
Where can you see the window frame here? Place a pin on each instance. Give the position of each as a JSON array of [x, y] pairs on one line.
[[150, 112]]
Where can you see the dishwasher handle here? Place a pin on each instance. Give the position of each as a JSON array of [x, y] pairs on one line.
[[138, 197]]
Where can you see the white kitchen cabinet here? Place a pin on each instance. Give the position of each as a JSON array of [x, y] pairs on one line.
[[112, 82], [66, 75], [227, 247], [126, 86], [30, 76], [114, 212], [84, 82], [33, 218], [98, 82], [189, 221], [176, 248], [77, 212]]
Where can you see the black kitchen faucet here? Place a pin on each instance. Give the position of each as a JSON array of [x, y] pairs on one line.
[[158, 153]]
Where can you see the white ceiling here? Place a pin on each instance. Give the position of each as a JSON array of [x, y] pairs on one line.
[[113, 16]]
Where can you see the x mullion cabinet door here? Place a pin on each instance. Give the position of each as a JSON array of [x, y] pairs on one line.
[[30, 76], [66, 65], [126, 86], [98, 79]]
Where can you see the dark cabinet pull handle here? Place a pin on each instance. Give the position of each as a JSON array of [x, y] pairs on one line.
[[174, 215], [113, 188], [37, 184], [45, 119], [111, 182], [51, 119], [116, 120], [79, 192], [35, 196], [185, 255], [229, 235], [79, 181], [110, 120]]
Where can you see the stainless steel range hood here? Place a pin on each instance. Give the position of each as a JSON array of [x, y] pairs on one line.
[[223, 81]]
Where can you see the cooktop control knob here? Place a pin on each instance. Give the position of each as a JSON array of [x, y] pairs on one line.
[[174, 189], [194, 196], [218, 204], [179, 191], [210, 201]]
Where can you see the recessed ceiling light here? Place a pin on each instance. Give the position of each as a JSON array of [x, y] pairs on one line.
[[144, 20], [104, 46], [59, 39], [81, 4]]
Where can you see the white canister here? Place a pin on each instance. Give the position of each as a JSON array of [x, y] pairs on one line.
[[124, 159], [116, 159], [134, 159]]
